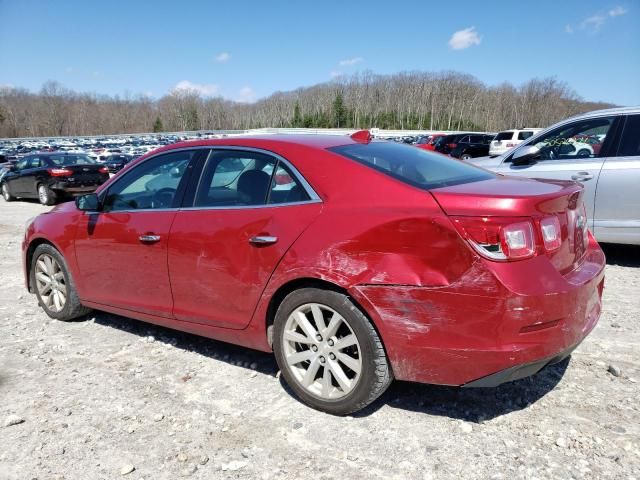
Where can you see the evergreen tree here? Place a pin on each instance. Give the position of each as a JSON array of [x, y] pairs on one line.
[[297, 117], [157, 125], [339, 111]]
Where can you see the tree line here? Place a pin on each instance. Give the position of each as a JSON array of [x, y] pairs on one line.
[[408, 100]]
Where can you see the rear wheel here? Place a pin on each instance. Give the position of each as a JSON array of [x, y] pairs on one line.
[[53, 285], [46, 195], [328, 351], [465, 156], [6, 194]]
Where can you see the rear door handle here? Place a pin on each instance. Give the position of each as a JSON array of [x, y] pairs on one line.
[[263, 240], [149, 238], [582, 176]]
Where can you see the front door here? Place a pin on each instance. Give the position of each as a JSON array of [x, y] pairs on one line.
[[122, 249], [574, 151], [248, 210]]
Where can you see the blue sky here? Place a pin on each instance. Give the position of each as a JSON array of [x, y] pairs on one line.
[[247, 50]]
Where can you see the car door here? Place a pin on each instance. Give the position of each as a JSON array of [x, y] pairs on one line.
[[249, 208], [14, 178], [617, 204], [31, 175], [122, 250], [564, 155]]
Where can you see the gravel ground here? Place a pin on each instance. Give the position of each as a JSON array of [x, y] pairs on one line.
[[110, 397]]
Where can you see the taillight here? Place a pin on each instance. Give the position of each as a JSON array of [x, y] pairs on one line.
[[60, 172], [498, 238], [551, 235], [103, 170], [452, 145]]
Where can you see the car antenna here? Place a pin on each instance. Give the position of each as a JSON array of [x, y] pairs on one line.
[[362, 136]]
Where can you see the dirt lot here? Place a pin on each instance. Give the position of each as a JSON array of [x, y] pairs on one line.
[[109, 397]]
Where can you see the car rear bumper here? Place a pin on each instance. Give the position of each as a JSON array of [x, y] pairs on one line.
[[480, 331]]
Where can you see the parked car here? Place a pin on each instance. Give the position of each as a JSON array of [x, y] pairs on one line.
[[601, 149], [508, 139], [428, 141], [116, 162], [472, 146], [52, 176], [432, 283], [447, 143]]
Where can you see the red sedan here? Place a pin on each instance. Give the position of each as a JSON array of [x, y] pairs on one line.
[[429, 142], [407, 265]]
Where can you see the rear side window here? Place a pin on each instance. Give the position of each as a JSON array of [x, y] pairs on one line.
[[411, 165], [62, 160], [630, 143], [504, 136], [524, 135]]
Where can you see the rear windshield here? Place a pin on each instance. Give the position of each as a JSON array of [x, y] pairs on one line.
[[415, 166], [504, 136], [71, 160]]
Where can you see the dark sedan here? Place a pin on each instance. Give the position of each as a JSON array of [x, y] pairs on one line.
[[472, 146], [52, 176], [116, 162]]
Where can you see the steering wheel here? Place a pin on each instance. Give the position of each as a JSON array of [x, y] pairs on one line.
[[163, 198]]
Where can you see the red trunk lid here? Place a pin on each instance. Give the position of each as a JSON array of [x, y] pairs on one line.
[[519, 197]]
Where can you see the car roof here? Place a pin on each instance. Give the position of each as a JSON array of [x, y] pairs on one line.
[[608, 111]]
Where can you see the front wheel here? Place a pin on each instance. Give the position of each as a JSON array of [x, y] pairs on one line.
[[52, 283], [46, 195], [6, 194], [328, 351]]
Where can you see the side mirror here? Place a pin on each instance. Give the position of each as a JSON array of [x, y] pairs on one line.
[[525, 155], [88, 203]]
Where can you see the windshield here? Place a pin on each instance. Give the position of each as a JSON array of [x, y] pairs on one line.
[[415, 166], [68, 160]]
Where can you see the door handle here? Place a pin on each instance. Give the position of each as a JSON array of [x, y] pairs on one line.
[[263, 240], [149, 238], [582, 176]]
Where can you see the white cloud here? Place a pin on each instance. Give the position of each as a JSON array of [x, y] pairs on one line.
[[336, 73], [568, 28], [464, 39], [595, 22], [350, 61], [247, 95], [617, 11], [204, 89], [223, 57]]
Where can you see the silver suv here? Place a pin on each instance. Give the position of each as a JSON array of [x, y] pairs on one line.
[[601, 149]]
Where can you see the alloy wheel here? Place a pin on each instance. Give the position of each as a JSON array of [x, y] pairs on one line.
[[43, 196], [322, 351], [5, 192], [50, 282]]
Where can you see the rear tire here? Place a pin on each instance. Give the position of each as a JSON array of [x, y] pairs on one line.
[[6, 194], [328, 351], [51, 281], [46, 195], [465, 156]]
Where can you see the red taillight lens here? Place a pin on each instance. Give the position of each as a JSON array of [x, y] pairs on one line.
[[60, 172], [498, 238], [551, 235], [103, 170]]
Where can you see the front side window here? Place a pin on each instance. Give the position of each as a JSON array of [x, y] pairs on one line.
[[582, 139], [630, 143], [151, 185], [35, 162], [22, 164], [415, 166]]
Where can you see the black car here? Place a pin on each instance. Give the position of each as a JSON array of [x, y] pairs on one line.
[[447, 143], [52, 176], [472, 146], [115, 163]]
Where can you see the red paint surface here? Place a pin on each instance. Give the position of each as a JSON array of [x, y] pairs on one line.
[[445, 314]]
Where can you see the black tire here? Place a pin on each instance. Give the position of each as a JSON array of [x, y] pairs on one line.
[[584, 153], [6, 194], [72, 307], [375, 376], [46, 196], [465, 156]]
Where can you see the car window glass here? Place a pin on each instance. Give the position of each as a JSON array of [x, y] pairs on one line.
[[35, 162], [475, 138], [582, 139], [284, 187], [524, 135], [22, 164], [151, 185], [630, 143], [504, 136], [235, 178], [465, 139], [69, 160]]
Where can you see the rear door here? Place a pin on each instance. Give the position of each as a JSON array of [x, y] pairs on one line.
[[249, 208], [565, 155], [122, 250], [617, 203]]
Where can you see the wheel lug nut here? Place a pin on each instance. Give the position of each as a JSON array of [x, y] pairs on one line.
[[322, 360], [314, 348], [332, 356], [319, 337], [330, 342]]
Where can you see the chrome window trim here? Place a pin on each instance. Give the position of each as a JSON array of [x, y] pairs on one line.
[[313, 196]]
